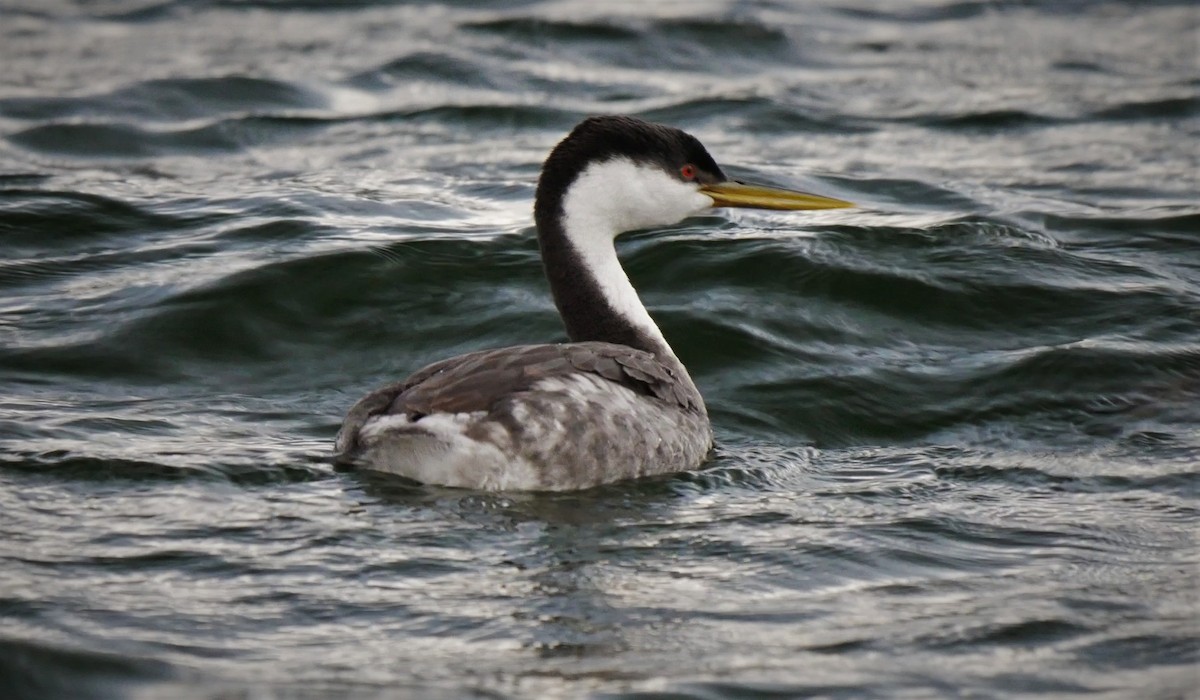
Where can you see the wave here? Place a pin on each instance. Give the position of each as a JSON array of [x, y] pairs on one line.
[[175, 99], [34, 670], [857, 334]]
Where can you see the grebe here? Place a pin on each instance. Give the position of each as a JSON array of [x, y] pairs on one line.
[[614, 403]]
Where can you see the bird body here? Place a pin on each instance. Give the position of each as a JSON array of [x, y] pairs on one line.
[[615, 402], [535, 417]]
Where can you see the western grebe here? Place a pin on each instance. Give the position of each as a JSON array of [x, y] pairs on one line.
[[615, 402]]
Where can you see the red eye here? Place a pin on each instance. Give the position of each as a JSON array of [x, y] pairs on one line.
[[688, 172]]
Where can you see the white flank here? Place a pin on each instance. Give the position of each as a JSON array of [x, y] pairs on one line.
[[436, 450]]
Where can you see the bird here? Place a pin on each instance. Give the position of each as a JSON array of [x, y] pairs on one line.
[[613, 403]]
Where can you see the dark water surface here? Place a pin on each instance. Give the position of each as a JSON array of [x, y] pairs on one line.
[[958, 427]]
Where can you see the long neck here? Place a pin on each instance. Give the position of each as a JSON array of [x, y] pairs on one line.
[[591, 290]]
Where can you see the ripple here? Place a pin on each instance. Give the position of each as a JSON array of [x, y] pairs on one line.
[[169, 100], [45, 220], [425, 66], [1154, 229], [118, 140], [1180, 483], [937, 11], [98, 140], [74, 467], [989, 120], [1165, 109], [720, 45], [479, 116], [1027, 633], [38, 670], [764, 114], [539, 29]]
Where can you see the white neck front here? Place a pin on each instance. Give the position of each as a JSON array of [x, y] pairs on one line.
[[613, 197], [600, 259]]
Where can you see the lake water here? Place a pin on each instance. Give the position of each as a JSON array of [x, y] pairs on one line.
[[958, 427]]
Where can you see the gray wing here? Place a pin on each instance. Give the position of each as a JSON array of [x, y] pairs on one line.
[[477, 381]]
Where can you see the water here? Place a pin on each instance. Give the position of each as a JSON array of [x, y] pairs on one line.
[[958, 427]]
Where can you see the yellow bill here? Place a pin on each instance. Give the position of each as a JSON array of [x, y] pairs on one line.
[[737, 194]]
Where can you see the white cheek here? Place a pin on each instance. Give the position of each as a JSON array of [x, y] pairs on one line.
[[618, 195], [656, 199]]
